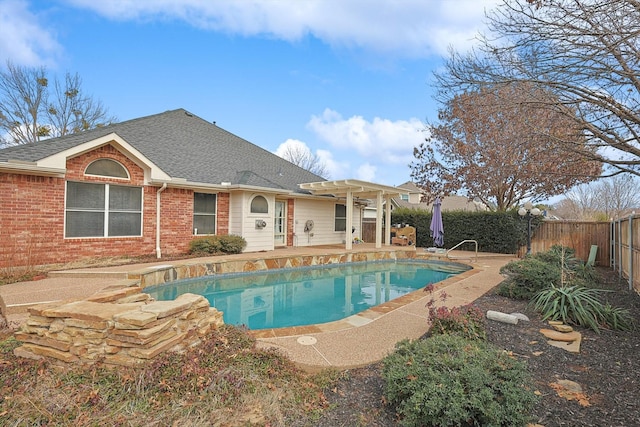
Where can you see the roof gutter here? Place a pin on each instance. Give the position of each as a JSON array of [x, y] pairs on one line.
[[223, 187], [30, 169], [160, 190]]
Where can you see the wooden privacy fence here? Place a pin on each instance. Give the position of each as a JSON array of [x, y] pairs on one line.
[[618, 242], [579, 235], [625, 249]]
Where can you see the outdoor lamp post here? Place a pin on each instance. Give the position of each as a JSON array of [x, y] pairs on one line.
[[528, 212]]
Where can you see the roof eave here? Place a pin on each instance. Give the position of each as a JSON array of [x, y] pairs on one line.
[[28, 168], [341, 187], [222, 187]]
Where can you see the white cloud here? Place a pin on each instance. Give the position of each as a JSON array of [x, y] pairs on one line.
[[391, 141], [335, 169], [411, 28], [292, 145], [366, 172], [23, 39]]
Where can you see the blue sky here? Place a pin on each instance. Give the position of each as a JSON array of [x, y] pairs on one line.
[[349, 79]]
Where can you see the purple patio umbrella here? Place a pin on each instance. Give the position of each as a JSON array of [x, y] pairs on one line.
[[436, 228]]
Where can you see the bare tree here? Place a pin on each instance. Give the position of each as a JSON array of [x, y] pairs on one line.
[[23, 97], [607, 198], [618, 195], [32, 109], [585, 52], [498, 153], [580, 203], [300, 155], [71, 110]]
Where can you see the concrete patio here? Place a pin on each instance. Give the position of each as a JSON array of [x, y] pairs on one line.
[[357, 340]]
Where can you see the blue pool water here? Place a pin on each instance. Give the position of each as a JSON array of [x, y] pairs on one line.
[[309, 295]]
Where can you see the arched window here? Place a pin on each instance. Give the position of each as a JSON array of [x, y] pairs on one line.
[[107, 167], [259, 205]]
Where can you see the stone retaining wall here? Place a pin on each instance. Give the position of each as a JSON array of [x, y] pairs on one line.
[[169, 273], [119, 326]]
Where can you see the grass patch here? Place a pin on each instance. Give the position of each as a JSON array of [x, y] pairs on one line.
[[225, 378]]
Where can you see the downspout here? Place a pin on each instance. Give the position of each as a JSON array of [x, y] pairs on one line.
[[160, 190]]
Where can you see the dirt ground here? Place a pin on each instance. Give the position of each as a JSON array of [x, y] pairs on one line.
[[606, 369]]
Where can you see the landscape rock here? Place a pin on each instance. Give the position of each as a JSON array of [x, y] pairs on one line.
[[501, 317], [521, 316], [120, 326], [560, 336], [562, 328]]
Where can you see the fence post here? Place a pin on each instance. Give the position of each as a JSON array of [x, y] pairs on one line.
[[612, 245], [631, 251], [620, 248]]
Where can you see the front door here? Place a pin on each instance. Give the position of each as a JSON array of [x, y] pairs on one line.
[[280, 224]]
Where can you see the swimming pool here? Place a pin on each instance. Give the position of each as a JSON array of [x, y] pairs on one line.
[[308, 295]]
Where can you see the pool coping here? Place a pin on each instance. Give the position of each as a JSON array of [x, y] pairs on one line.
[[355, 341], [364, 317], [344, 344]]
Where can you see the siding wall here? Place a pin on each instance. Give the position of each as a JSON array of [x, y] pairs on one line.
[[258, 239], [323, 216]]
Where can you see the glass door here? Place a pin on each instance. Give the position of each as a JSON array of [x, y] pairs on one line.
[[280, 224]]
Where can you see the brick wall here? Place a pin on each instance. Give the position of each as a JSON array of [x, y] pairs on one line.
[[32, 217], [222, 225], [290, 224]]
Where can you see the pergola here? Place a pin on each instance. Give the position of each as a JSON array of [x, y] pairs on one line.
[[348, 188]]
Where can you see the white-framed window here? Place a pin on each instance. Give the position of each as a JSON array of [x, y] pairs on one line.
[[102, 210], [259, 205], [107, 167], [204, 213], [404, 197], [341, 218]]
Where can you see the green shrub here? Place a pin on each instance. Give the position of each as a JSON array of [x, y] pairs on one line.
[[447, 380], [466, 321], [558, 255], [499, 232], [225, 244], [526, 277], [580, 306]]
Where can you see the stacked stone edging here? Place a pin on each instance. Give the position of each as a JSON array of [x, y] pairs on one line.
[[170, 273], [119, 326]]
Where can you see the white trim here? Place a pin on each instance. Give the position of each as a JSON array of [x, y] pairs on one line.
[[27, 168], [127, 178], [353, 186], [106, 210], [59, 160]]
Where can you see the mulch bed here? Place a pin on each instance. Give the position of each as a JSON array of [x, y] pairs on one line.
[[606, 368]]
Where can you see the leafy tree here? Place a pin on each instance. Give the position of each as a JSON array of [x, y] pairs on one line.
[[585, 52], [33, 108], [501, 153]]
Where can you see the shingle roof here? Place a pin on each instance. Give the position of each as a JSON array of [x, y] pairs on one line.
[[449, 203], [185, 146]]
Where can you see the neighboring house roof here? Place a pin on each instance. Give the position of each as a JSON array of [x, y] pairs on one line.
[[449, 203], [410, 187], [183, 147]]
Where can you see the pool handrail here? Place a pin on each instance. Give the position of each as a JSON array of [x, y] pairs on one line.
[[464, 241]]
